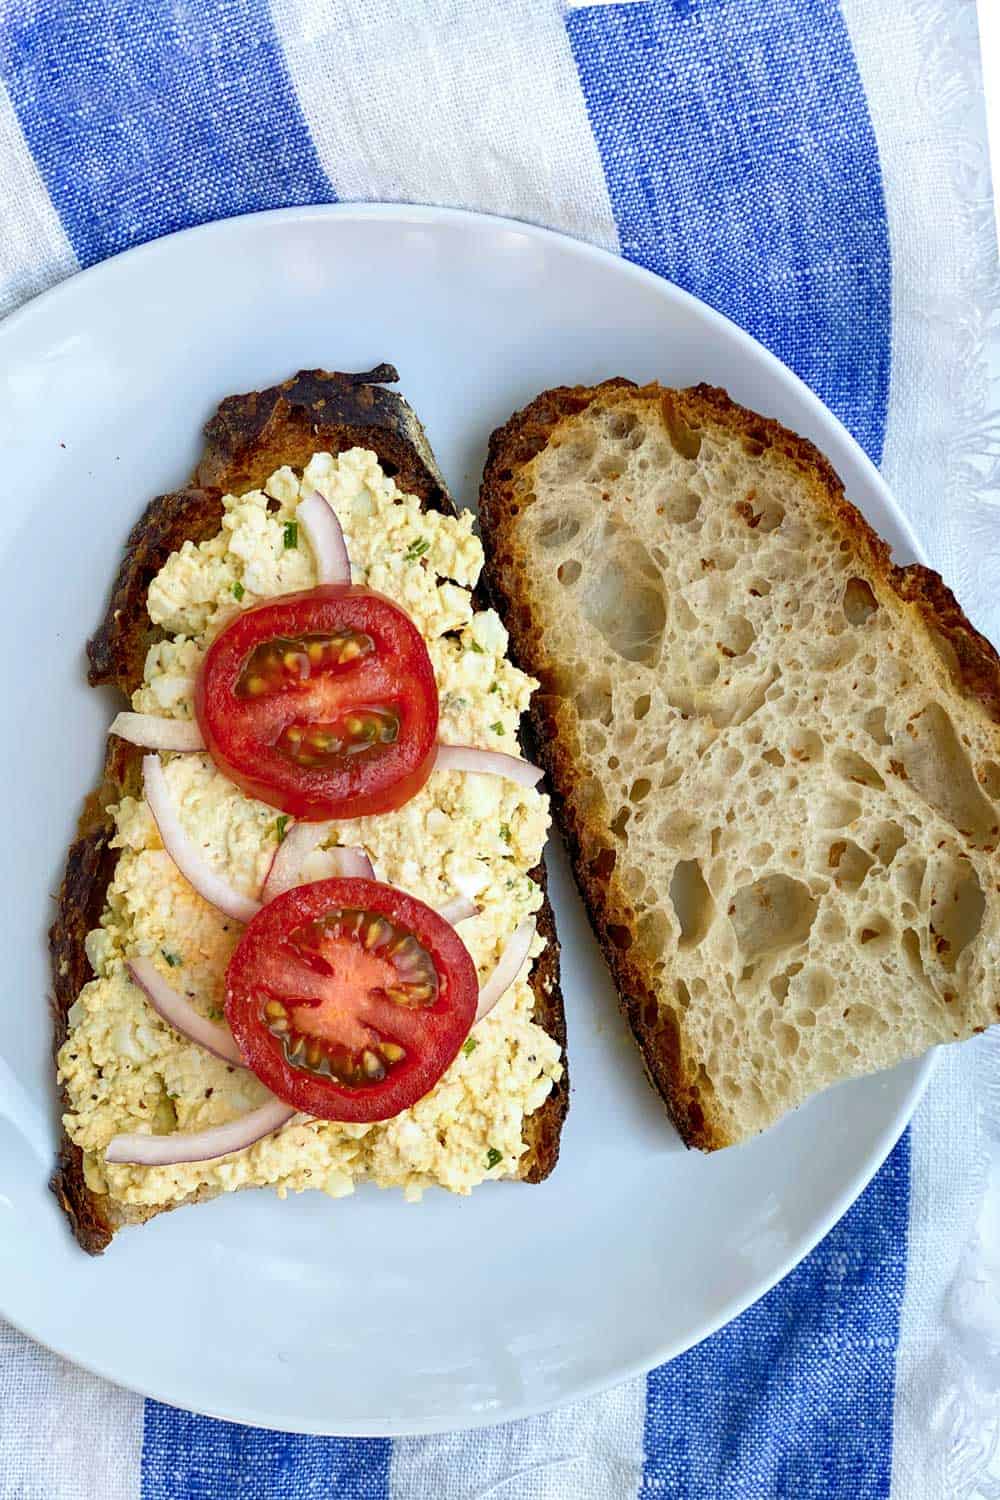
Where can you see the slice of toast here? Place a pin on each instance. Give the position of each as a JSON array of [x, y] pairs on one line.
[[248, 439], [775, 756]]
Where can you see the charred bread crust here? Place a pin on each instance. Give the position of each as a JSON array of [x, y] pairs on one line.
[[543, 1129], [251, 436], [973, 661], [117, 651], [247, 440], [89, 868]]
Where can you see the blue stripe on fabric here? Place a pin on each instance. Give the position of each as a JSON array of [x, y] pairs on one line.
[[794, 1400], [741, 163], [146, 116], [185, 1457]]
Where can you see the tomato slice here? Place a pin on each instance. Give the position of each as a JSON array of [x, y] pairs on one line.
[[349, 998], [322, 704]]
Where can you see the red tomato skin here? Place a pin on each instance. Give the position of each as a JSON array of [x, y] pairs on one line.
[[448, 1019], [372, 785]]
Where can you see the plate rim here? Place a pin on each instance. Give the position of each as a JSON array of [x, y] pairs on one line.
[[429, 214]]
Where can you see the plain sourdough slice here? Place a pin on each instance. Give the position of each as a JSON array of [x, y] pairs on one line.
[[249, 438], [775, 756]]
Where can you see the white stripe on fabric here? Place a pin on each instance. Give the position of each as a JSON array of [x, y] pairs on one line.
[[947, 1406], [64, 1434], [942, 438], [590, 1450], [34, 251], [467, 105], [941, 432]]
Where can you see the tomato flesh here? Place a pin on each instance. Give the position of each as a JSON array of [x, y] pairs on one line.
[[353, 733], [349, 998], [287, 661], [322, 704]]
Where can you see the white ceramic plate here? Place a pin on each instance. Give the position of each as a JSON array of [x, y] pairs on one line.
[[367, 1315]]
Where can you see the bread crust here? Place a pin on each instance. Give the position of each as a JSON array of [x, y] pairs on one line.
[[248, 438], [973, 662]]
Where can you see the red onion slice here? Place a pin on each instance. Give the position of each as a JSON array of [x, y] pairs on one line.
[[154, 733], [353, 864], [179, 1013], [458, 910], [511, 962], [321, 526], [487, 763], [293, 851], [301, 839], [200, 1145], [186, 856]]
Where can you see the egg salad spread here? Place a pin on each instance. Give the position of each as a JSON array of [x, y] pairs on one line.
[[464, 834]]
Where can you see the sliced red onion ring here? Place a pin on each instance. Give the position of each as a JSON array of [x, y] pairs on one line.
[[185, 854], [154, 733], [458, 910], [200, 1145], [354, 864], [487, 763], [293, 851], [319, 521], [178, 1012], [300, 840], [511, 962]]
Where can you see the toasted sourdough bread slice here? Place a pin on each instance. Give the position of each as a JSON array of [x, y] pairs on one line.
[[248, 439], [775, 756]]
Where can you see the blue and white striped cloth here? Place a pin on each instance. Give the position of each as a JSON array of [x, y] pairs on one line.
[[818, 172]]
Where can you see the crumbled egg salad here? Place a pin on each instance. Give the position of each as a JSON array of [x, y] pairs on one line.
[[124, 1069]]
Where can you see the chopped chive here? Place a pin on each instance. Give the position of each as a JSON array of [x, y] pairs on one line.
[[417, 549], [475, 646], [215, 1014], [291, 533], [281, 825], [505, 832], [493, 1158], [238, 590], [470, 1046], [494, 687], [497, 728], [173, 959]]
